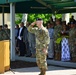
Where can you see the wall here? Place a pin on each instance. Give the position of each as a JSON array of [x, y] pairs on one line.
[[6, 20], [74, 14]]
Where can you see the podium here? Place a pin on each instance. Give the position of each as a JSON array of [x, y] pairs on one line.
[[4, 56]]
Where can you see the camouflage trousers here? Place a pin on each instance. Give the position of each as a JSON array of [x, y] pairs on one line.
[[73, 50], [57, 47], [57, 51], [41, 59]]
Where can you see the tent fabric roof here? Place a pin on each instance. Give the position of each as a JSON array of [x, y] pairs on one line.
[[39, 6]]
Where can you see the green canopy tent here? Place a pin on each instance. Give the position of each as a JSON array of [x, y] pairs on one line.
[[61, 6], [24, 6], [39, 6]]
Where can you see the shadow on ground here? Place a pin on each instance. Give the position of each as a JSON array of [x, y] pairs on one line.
[[23, 66]]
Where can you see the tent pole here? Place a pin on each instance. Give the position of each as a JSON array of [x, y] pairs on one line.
[[3, 17], [12, 24]]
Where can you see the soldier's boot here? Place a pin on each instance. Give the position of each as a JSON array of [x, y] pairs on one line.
[[43, 72], [40, 71]]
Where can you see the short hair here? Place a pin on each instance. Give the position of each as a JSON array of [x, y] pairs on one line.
[[72, 22], [0, 26], [6, 25]]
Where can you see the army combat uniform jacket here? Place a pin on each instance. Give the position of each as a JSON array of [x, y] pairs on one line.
[[42, 36]]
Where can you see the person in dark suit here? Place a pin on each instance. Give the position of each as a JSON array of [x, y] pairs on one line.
[[21, 43]]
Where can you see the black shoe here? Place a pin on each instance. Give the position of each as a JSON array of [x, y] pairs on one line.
[[27, 55], [21, 55]]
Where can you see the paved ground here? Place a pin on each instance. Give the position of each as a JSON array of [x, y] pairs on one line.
[[52, 62], [52, 70]]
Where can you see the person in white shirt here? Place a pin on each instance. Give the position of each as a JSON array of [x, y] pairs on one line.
[[21, 43]]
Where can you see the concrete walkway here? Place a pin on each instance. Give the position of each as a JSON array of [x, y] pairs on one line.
[[52, 62], [52, 70]]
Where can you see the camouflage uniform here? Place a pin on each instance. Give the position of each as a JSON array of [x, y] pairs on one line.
[[1, 35], [6, 34], [57, 31], [72, 42], [42, 41]]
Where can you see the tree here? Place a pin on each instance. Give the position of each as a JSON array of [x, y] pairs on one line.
[[58, 16], [32, 17], [18, 18]]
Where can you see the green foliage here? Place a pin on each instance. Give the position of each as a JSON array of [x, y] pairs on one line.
[[18, 18], [32, 17], [45, 17], [58, 16]]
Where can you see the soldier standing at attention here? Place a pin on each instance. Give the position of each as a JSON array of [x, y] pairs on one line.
[[1, 33], [6, 32], [42, 42], [72, 41], [57, 46]]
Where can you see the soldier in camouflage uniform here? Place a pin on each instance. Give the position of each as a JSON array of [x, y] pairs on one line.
[[57, 47], [1, 33], [6, 32], [42, 41], [72, 41]]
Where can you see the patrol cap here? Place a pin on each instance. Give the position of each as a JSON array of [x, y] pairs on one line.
[[39, 19]]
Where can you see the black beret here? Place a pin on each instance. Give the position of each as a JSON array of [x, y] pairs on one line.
[[38, 19]]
